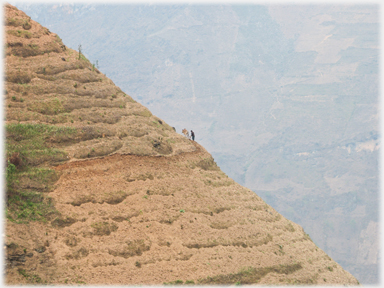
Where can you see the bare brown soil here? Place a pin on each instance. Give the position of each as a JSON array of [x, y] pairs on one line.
[[136, 202]]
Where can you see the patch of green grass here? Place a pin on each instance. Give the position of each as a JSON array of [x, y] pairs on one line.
[[171, 141], [29, 206], [156, 124], [20, 33], [58, 39], [14, 22], [32, 142], [24, 206], [44, 176], [31, 278], [52, 107], [10, 175], [25, 182], [82, 57]]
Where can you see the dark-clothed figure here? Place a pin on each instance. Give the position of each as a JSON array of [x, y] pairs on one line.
[[193, 135]]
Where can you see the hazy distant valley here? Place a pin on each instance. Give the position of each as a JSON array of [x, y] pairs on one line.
[[285, 98]]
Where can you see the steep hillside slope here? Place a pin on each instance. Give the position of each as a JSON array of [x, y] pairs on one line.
[[100, 191], [285, 98]]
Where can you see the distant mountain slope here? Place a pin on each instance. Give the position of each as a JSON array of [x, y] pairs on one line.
[[100, 191]]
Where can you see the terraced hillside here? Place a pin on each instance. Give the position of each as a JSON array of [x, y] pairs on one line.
[[100, 191]]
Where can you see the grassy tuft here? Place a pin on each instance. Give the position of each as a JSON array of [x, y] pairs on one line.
[[132, 248], [176, 282], [103, 228], [208, 164], [14, 22], [20, 33]]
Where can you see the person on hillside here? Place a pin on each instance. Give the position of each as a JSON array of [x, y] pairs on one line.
[[193, 135]]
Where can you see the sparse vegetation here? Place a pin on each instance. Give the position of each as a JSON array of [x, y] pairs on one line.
[[31, 142], [71, 241], [218, 183], [27, 25], [162, 199], [58, 40], [251, 242], [220, 225], [290, 227], [132, 248], [82, 57], [111, 198], [60, 222], [20, 33], [27, 147], [104, 228], [30, 277], [170, 219], [176, 282], [143, 113], [29, 206], [208, 164], [250, 275], [18, 78], [79, 51], [115, 197], [15, 22], [50, 107], [307, 237]]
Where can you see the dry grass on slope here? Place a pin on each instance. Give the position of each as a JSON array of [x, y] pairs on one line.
[[129, 219], [58, 108], [100, 191], [56, 85]]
